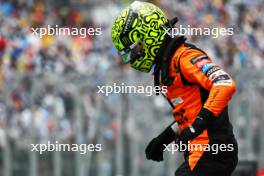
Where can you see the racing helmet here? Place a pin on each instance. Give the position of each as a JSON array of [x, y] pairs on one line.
[[137, 34]]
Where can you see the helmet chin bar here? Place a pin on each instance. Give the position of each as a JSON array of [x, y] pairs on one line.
[[137, 52], [134, 52]]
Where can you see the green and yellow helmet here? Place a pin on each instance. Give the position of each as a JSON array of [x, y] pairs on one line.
[[137, 35]]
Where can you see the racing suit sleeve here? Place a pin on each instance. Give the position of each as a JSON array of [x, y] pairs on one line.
[[198, 68]]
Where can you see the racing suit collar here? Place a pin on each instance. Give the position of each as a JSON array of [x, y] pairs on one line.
[[162, 61]]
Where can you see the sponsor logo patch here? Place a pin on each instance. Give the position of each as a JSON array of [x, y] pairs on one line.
[[216, 74], [198, 58], [200, 64], [212, 70], [221, 78], [176, 101], [207, 66], [224, 83]]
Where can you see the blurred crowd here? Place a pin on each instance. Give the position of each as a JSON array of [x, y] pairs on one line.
[[26, 59], [243, 49], [24, 52], [34, 109]]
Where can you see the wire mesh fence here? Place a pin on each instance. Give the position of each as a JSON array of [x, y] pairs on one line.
[[67, 109]]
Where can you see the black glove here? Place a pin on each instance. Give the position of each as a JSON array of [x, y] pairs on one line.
[[198, 126], [155, 148]]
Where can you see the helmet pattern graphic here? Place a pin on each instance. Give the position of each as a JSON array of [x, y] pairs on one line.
[[140, 22]]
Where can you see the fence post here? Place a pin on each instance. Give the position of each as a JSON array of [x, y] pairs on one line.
[[33, 156]]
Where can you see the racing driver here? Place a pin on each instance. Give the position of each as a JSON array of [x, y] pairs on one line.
[[197, 89]]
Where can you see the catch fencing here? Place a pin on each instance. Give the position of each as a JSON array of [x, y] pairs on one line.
[[68, 108]]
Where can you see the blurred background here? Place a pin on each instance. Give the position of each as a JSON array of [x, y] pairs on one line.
[[48, 87]]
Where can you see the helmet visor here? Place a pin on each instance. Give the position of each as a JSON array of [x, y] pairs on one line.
[[134, 52]]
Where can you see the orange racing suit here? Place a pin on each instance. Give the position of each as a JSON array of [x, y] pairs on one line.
[[199, 83]]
